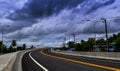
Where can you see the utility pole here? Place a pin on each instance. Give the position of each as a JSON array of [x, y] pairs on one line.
[[106, 32], [73, 37]]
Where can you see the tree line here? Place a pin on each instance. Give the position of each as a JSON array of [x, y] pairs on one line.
[[13, 47], [89, 44]]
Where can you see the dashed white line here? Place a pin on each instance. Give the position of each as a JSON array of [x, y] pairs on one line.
[[45, 69]]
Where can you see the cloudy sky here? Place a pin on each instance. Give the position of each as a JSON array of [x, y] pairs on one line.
[[47, 22]]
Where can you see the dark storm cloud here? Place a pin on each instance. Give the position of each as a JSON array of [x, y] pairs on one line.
[[43, 8], [44, 19], [97, 5], [113, 26], [117, 19], [16, 25]]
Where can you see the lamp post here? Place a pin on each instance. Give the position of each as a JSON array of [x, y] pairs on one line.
[[94, 30], [3, 28], [106, 32], [64, 43], [2, 41], [74, 37]]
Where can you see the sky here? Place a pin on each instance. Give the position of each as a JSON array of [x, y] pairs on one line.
[[47, 22]]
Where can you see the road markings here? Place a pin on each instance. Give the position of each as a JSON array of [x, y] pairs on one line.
[[80, 62], [45, 69]]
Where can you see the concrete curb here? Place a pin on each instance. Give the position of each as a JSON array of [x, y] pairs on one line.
[[17, 66], [78, 54], [15, 62], [10, 64]]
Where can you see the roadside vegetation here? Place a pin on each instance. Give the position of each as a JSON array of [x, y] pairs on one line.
[[90, 43], [13, 47]]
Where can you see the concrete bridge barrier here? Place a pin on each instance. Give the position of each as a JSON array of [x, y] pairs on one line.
[[103, 55]]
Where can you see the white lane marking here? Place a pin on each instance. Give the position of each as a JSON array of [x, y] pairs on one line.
[[45, 69]]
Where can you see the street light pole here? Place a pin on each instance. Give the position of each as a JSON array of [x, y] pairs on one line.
[[74, 37], [64, 43], [94, 31], [95, 34], [2, 41], [106, 32], [3, 38]]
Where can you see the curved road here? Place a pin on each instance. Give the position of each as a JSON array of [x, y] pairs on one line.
[[45, 60]]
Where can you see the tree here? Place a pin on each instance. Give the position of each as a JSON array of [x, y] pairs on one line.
[[78, 47], [4, 49], [10, 49], [1, 45], [14, 43], [32, 47], [24, 46], [100, 42], [117, 47], [88, 45], [70, 44], [19, 47], [63, 48], [110, 39], [82, 41], [114, 36]]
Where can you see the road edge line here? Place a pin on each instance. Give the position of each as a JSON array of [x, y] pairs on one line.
[[45, 69]]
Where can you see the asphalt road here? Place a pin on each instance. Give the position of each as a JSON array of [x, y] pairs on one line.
[[45, 60]]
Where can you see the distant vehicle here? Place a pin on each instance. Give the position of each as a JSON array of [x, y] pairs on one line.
[[71, 49]]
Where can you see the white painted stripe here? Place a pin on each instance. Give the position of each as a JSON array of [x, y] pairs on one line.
[[45, 69]]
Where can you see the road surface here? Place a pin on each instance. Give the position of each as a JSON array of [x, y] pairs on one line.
[[45, 60]]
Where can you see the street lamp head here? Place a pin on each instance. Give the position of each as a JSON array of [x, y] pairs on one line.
[[103, 20], [87, 20], [8, 26]]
